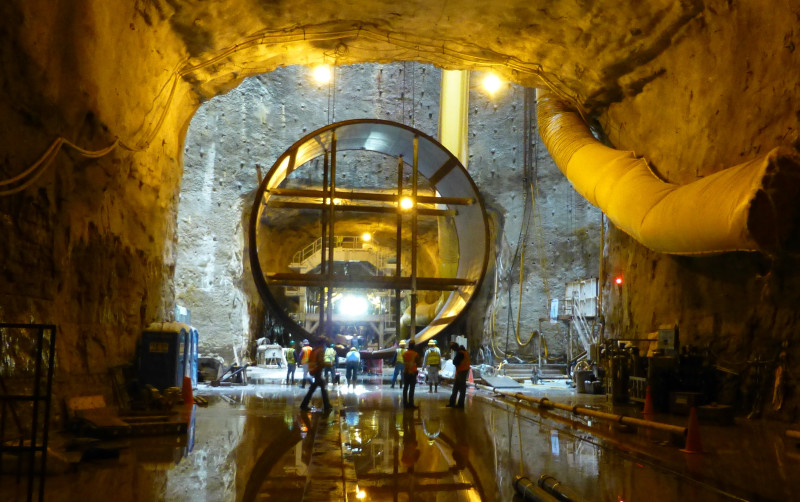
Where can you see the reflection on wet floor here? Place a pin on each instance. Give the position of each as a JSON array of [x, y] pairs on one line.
[[254, 444]]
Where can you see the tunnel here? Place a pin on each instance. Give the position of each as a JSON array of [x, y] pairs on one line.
[[97, 104]]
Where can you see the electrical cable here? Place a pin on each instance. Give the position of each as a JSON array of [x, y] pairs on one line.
[[54, 146], [27, 178]]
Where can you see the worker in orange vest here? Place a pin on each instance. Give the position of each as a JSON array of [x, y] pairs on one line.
[[410, 375], [305, 353], [462, 364], [316, 363]]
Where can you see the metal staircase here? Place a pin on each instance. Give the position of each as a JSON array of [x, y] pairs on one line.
[[352, 251]]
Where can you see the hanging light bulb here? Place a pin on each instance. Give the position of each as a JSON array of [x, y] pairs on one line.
[[406, 203], [322, 74], [492, 83], [366, 237]]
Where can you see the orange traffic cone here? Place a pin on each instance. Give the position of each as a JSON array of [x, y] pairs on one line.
[[693, 444], [186, 391], [649, 409], [470, 379]]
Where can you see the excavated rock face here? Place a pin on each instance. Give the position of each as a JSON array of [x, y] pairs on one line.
[[256, 122], [89, 245]]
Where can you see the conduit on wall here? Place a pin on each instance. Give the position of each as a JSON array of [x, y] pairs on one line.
[[747, 207]]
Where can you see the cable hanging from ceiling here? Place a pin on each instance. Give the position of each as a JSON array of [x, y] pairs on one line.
[[528, 205]]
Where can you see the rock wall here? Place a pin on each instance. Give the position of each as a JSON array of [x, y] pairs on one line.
[[256, 122], [88, 246]]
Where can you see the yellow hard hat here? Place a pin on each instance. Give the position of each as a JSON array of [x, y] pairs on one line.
[[431, 342], [402, 343]]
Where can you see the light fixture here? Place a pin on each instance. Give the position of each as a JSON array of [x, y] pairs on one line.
[[353, 306], [366, 237], [491, 83], [406, 203], [322, 73], [618, 280]]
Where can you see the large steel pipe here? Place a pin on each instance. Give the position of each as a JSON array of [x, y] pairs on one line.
[[528, 490], [455, 197]]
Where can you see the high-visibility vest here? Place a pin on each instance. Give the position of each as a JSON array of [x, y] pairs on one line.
[[410, 360], [316, 359], [464, 364], [289, 355], [306, 352], [330, 356], [433, 356], [400, 351]]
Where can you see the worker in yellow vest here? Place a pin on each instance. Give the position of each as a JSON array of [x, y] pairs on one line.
[[432, 362], [305, 353], [398, 362], [462, 364], [291, 362], [316, 363]]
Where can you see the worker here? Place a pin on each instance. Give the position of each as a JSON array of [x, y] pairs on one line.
[[352, 362], [330, 362], [410, 375], [432, 362], [398, 361], [462, 364], [316, 363], [291, 362], [305, 353]]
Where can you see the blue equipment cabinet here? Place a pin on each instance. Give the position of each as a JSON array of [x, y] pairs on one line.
[[167, 354], [192, 357]]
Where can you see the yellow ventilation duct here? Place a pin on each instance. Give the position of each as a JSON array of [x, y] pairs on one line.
[[748, 207]]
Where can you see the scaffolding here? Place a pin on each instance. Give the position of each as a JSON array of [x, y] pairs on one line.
[[28, 408]]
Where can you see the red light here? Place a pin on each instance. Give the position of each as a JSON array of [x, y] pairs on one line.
[[618, 281]]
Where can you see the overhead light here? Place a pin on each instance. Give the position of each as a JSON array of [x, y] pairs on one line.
[[322, 74], [406, 203], [366, 237], [492, 83], [353, 306]]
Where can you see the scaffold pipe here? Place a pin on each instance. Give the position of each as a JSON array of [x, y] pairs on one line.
[[546, 403]]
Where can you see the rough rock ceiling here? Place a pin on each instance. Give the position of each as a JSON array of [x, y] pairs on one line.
[[694, 86]]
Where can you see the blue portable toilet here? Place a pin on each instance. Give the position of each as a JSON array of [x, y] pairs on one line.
[[164, 355]]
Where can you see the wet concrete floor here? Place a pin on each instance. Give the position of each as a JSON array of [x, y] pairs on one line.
[[252, 443]]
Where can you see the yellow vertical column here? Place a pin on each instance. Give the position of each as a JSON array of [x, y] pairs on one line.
[[454, 113], [453, 134]]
